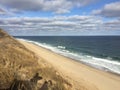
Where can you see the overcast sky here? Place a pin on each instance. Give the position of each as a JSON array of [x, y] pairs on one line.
[[60, 17]]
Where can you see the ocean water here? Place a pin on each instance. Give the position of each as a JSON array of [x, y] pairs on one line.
[[102, 52]]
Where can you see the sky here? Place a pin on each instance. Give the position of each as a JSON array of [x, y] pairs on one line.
[[60, 17]]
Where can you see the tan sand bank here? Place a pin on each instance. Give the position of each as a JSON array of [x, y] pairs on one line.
[[83, 75]]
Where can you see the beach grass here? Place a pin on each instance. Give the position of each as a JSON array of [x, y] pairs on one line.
[[16, 61]]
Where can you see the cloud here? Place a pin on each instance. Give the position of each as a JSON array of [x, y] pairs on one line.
[[112, 25], [56, 6], [58, 24], [2, 11], [109, 10]]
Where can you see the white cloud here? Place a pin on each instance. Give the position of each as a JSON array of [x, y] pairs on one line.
[[56, 6], [112, 25], [2, 11], [64, 25], [37, 25], [109, 10]]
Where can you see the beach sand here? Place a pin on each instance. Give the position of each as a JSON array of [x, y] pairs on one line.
[[77, 73]]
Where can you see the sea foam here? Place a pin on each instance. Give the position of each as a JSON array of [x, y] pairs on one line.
[[99, 63]]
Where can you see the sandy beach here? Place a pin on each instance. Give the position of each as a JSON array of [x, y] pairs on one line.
[[77, 72]]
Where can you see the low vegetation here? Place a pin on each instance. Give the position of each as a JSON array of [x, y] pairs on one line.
[[17, 62]]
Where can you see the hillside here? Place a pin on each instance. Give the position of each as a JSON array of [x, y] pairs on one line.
[[17, 62]]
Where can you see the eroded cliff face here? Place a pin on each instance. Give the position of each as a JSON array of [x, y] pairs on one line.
[[15, 60]]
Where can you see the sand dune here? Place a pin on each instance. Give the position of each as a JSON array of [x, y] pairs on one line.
[[21, 68], [80, 75]]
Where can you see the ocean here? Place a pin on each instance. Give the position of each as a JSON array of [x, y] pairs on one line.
[[101, 52]]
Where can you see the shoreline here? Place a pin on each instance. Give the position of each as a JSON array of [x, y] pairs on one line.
[[75, 60], [76, 70], [104, 69]]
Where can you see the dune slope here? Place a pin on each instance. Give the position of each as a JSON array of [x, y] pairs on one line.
[[19, 64]]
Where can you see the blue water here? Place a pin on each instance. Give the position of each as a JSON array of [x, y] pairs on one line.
[[102, 52]]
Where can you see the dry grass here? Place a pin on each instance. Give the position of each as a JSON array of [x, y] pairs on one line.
[[15, 60], [18, 62]]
